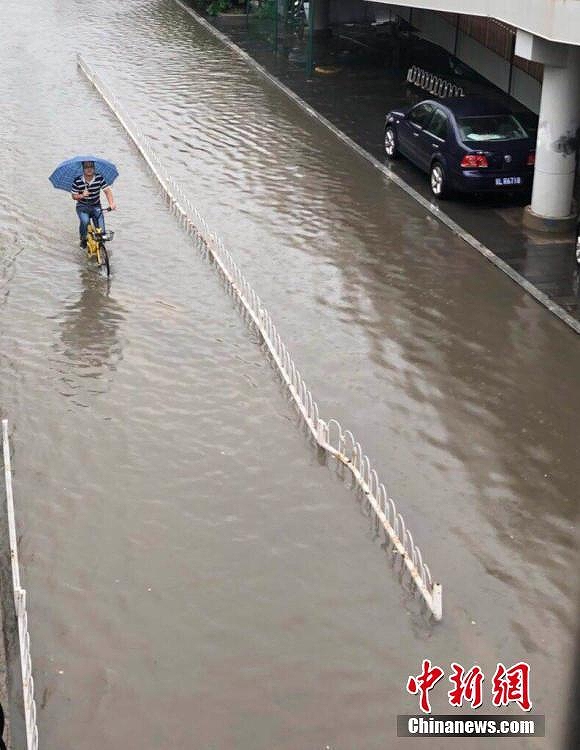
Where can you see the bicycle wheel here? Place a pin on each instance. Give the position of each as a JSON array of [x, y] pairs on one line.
[[103, 258]]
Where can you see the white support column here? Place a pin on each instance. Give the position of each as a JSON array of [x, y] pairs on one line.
[[557, 134], [556, 146]]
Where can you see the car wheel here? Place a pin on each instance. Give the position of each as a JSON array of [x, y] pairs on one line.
[[391, 146], [439, 181]]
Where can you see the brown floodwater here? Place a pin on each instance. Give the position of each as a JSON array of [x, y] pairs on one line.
[[196, 577]]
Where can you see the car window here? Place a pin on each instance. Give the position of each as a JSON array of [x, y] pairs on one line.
[[421, 114], [529, 121], [490, 128], [438, 124]]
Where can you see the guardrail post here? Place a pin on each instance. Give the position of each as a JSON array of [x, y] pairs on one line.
[[437, 599]]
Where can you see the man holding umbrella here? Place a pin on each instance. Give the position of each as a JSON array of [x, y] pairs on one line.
[[86, 190], [84, 177]]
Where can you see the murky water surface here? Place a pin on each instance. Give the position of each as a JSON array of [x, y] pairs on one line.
[[196, 578]]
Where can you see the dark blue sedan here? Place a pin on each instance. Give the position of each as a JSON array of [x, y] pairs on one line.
[[469, 144]]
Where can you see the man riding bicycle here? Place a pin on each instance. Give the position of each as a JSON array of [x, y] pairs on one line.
[[86, 190]]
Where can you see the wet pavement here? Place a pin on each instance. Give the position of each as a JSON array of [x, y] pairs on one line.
[[359, 75], [195, 576]]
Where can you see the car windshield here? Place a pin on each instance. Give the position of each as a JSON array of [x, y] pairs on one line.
[[490, 128]]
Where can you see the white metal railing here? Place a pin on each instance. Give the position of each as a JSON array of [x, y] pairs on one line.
[[19, 603], [329, 434], [431, 83]]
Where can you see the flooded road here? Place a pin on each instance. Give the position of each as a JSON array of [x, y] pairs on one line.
[[196, 578]]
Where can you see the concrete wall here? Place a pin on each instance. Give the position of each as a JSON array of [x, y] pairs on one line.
[[557, 20], [436, 28], [526, 89], [350, 11], [493, 67]]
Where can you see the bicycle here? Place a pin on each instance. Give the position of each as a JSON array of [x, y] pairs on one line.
[[96, 240]]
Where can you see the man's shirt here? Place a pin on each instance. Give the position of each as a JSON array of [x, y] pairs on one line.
[[94, 187]]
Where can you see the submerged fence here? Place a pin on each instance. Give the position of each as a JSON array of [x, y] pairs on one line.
[[19, 603], [330, 435]]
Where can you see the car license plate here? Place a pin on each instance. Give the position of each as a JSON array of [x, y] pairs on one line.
[[508, 180]]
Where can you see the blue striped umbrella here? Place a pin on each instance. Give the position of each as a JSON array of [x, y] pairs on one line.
[[65, 174]]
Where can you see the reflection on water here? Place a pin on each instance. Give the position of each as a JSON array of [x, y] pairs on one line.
[[89, 327], [89, 346]]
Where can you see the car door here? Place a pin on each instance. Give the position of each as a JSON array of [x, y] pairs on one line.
[[411, 127], [432, 138]]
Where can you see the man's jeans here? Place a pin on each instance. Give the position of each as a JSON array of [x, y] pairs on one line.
[[85, 213]]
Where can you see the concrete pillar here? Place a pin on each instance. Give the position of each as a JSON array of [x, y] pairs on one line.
[[557, 139], [321, 16], [551, 208]]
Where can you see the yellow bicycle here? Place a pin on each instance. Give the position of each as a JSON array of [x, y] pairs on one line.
[[96, 239]]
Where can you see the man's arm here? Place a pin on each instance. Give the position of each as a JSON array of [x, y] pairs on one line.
[[77, 194], [111, 201]]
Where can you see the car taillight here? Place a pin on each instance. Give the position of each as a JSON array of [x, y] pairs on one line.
[[531, 159], [474, 161]]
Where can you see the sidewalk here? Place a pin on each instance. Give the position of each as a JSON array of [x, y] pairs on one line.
[[357, 79]]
